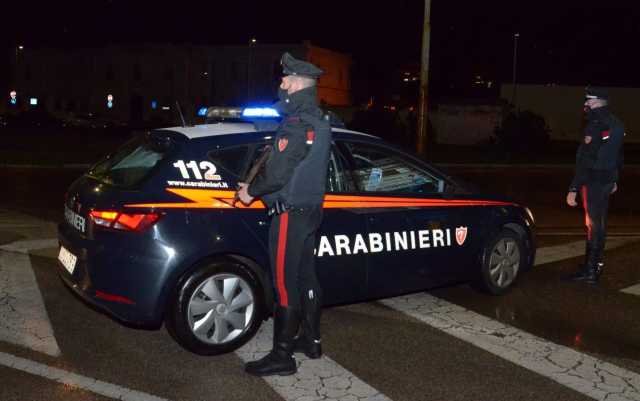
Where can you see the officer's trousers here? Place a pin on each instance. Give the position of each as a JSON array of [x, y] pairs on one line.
[[292, 238], [595, 200]]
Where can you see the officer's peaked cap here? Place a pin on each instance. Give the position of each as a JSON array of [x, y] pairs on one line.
[[293, 66], [593, 92]]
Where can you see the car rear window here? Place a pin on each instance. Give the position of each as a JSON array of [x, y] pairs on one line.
[[133, 161]]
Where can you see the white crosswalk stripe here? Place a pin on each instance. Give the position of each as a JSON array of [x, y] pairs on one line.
[[317, 379], [75, 380], [580, 372], [557, 253], [23, 317]]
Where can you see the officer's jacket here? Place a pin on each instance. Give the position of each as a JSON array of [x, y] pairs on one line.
[[600, 160], [296, 171]]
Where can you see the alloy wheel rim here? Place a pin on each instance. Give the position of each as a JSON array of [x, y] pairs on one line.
[[221, 309], [504, 262]]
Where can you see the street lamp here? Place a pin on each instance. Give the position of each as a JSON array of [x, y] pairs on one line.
[[515, 64]]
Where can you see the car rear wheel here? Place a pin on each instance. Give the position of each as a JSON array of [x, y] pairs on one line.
[[503, 260], [217, 309]]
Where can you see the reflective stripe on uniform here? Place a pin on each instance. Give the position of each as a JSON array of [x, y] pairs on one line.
[[280, 258]]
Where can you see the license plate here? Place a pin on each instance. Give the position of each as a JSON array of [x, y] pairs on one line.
[[67, 259]]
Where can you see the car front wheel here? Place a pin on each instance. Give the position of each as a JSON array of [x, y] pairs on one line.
[[217, 309], [503, 260]]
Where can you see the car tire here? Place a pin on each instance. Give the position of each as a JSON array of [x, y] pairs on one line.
[[503, 259], [216, 309]]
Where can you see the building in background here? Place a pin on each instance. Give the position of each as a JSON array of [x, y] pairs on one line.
[[142, 83], [562, 108]]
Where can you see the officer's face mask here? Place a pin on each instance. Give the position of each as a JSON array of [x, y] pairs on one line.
[[283, 95]]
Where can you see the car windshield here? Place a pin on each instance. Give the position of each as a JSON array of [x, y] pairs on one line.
[[133, 161]]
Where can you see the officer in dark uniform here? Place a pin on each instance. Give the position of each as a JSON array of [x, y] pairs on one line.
[[292, 185], [598, 162]]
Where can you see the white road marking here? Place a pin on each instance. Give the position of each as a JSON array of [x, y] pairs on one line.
[[23, 317], [580, 372], [550, 254], [30, 245], [317, 379], [75, 380], [633, 290]]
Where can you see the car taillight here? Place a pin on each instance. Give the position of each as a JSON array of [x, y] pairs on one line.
[[124, 221]]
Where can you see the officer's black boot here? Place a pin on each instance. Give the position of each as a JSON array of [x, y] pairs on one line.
[[308, 339], [583, 271], [592, 269], [280, 360]]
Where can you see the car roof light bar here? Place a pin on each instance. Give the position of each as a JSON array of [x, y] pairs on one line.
[[260, 112]]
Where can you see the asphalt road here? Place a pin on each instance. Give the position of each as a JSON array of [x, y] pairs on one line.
[[451, 344]]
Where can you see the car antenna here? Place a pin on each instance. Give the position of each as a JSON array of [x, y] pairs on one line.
[[184, 123]]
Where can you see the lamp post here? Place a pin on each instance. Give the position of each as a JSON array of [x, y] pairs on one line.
[[252, 43], [515, 65], [423, 114]]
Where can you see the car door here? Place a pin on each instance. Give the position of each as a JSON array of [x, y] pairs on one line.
[[342, 273], [427, 237]]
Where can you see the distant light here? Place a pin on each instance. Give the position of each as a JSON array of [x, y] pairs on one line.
[[20, 47], [154, 104], [33, 101], [202, 111], [109, 105], [406, 80], [13, 94], [253, 40], [166, 108], [109, 98], [260, 112], [13, 101]]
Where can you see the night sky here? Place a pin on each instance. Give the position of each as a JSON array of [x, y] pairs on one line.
[[562, 41]]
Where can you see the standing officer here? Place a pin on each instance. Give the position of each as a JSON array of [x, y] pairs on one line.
[[293, 185], [598, 161]]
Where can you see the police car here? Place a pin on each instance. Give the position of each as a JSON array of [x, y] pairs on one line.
[[152, 234]]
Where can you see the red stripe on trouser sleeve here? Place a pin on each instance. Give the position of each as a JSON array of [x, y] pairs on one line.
[[280, 256], [587, 218]]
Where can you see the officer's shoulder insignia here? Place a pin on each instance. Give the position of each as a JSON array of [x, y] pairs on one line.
[[282, 144]]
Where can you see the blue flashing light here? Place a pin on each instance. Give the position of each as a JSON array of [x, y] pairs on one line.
[[110, 105], [13, 101], [202, 111], [33, 101], [260, 112], [154, 104]]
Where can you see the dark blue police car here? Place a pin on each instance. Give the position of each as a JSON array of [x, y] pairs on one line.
[[152, 235]]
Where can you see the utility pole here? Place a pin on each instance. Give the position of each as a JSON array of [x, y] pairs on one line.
[[515, 67], [423, 114], [252, 44]]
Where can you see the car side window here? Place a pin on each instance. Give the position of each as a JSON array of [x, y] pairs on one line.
[[337, 178], [232, 159], [378, 169]]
